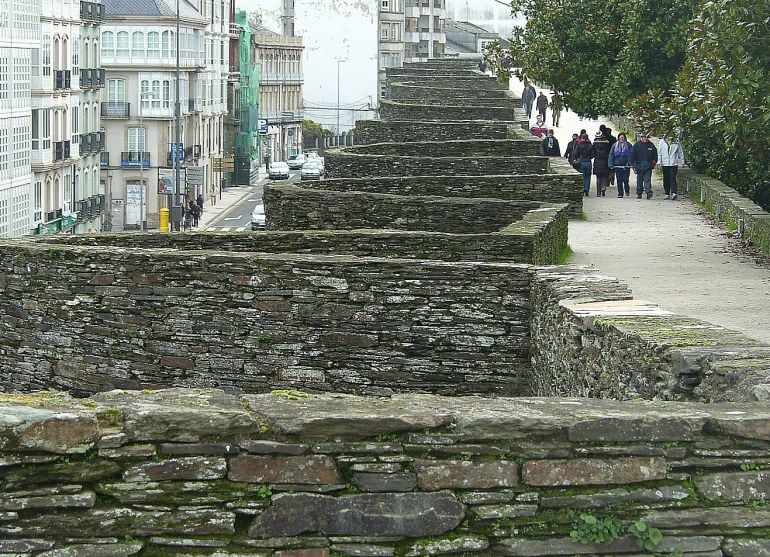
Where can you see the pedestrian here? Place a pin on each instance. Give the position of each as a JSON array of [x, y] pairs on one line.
[[618, 161], [539, 128], [582, 153], [199, 201], [550, 146], [527, 98], [483, 66], [195, 211], [612, 139], [542, 104], [557, 105], [601, 163], [671, 155], [644, 157], [568, 151]]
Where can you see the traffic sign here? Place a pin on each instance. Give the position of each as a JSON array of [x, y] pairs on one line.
[[262, 126], [195, 175]]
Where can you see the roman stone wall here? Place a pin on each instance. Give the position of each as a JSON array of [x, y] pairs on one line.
[[427, 72], [590, 338], [346, 164], [467, 82], [286, 474], [292, 207], [564, 187], [84, 319], [526, 146], [510, 112], [381, 131], [403, 91], [729, 207]]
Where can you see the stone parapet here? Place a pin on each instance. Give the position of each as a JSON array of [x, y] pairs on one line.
[[289, 473], [412, 91], [527, 145], [465, 82], [381, 131], [738, 212], [453, 111]]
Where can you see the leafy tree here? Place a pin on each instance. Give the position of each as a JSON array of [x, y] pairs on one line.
[[314, 130]]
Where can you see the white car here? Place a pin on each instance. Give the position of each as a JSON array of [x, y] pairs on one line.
[[295, 162], [258, 219], [311, 170], [278, 170]]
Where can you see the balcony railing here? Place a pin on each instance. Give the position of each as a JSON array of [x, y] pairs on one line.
[[193, 105], [116, 110], [61, 150], [135, 158], [85, 143], [91, 12], [62, 79], [86, 79], [235, 30], [104, 158], [193, 152], [53, 215], [102, 140]]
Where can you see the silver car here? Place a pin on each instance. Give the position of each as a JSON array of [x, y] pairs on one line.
[[311, 170]]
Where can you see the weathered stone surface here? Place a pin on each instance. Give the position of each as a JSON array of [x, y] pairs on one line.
[[272, 447], [129, 452], [460, 474], [732, 517], [323, 417], [563, 546], [593, 471], [314, 469], [405, 481], [17, 501], [191, 468], [403, 514], [94, 550], [315, 552], [461, 544], [29, 428], [746, 548], [662, 494], [23, 546], [745, 486], [198, 449], [494, 512], [486, 497], [72, 472], [179, 415], [205, 493], [363, 550], [649, 428]]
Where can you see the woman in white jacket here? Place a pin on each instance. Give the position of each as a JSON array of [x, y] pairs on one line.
[[670, 156]]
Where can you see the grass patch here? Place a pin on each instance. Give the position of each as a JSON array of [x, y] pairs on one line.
[[564, 256]]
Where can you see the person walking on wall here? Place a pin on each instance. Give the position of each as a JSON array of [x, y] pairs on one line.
[[557, 105], [569, 149], [195, 211], [671, 155], [644, 157], [542, 104], [582, 153], [199, 201], [550, 146], [601, 163], [527, 98], [539, 128], [618, 161]]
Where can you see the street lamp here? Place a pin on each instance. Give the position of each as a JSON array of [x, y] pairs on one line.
[[142, 95], [339, 61]]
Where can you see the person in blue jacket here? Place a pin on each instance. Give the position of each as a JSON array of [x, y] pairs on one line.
[[620, 152], [644, 157]]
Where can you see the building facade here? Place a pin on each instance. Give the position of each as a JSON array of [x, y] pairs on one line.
[[139, 52], [281, 104]]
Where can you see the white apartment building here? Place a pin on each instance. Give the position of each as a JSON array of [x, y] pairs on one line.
[[139, 53], [19, 37]]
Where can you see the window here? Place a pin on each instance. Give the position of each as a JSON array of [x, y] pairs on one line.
[[166, 93], [145, 88], [121, 50], [153, 44], [46, 55], [108, 44], [75, 54], [137, 44], [156, 92], [38, 202], [385, 5], [4, 149], [4, 78], [75, 127], [116, 90], [136, 139], [166, 44], [41, 128], [385, 32]]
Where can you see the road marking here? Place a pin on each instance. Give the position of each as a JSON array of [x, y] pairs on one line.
[[232, 218], [254, 200]]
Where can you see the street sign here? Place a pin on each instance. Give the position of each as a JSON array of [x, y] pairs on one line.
[[226, 164], [195, 175], [179, 150], [262, 126]]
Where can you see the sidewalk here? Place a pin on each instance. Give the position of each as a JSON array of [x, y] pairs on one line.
[[666, 251]]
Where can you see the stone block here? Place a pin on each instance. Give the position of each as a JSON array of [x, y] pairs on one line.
[[315, 470], [191, 468], [735, 486], [374, 482], [593, 471], [458, 474]]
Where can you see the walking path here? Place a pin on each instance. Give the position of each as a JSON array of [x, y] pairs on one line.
[[666, 251]]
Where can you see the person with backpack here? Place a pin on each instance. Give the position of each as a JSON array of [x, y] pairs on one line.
[[582, 153], [601, 163]]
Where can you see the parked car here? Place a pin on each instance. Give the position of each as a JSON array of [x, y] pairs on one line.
[[315, 157], [278, 171], [311, 170], [295, 162], [258, 219]]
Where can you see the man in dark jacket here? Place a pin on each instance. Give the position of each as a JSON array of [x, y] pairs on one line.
[[527, 98], [542, 104], [644, 157], [550, 146], [582, 153], [568, 151], [601, 164]]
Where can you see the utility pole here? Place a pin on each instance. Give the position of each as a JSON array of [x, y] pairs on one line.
[[177, 123]]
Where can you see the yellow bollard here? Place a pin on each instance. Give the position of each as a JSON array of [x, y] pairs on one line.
[[164, 220]]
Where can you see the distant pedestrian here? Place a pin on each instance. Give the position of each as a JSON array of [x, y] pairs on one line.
[[542, 104], [195, 211], [557, 105], [483, 66], [671, 156], [618, 161], [199, 201], [644, 157], [550, 146], [612, 139], [527, 98], [582, 153], [539, 129], [568, 151], [601, 163]]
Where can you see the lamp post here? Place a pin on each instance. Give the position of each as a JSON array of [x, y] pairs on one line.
[[339, 61], [177, 118], [142, 95]]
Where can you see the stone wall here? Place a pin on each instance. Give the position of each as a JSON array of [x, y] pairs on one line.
[[566, 187], [84, 319], [590, 338], [729, 207], [404, 91], [292, 207], [293, 475], [345, 164], [525, 146], [464, 82], [381, 131], [509, 112]]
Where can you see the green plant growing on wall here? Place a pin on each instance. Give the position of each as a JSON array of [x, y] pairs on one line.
[[265, 492], [591, 529], [646, 537]]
